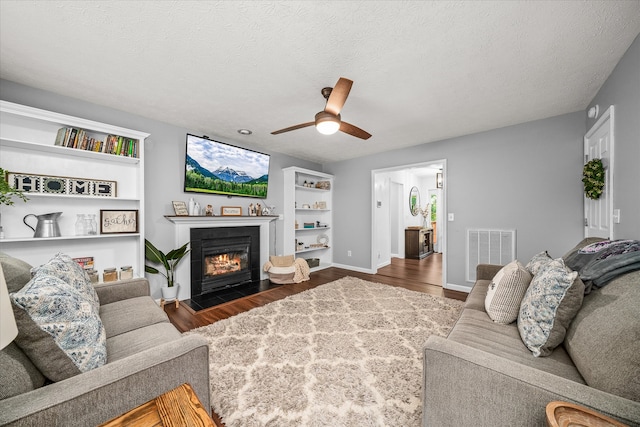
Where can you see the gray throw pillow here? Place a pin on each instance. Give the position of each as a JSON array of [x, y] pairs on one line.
[[548, 307], [603, 339], [505, 292], [16, 272], [18, 374]]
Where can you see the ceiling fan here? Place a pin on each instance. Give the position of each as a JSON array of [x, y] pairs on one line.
[[328, 121]]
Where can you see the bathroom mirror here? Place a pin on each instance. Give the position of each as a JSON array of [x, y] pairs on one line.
[[414, 201]]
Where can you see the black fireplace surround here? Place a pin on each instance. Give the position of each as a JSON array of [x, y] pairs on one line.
[[208, 244]]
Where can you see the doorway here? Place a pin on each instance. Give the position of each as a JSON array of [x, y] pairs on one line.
[[391, 213]]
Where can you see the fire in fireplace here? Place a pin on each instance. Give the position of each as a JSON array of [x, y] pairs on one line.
[[223, 257], [225, 263]]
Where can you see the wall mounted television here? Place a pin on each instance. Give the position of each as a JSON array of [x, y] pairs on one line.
[[214, 167]]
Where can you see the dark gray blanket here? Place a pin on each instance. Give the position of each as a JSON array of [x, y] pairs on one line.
[[599, 263]]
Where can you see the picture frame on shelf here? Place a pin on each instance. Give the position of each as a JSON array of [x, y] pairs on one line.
[[118, 221], [231, 210], [180, 208]]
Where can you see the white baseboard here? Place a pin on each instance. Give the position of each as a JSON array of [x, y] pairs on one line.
[[352, 268], [454, 287], [384, 264]]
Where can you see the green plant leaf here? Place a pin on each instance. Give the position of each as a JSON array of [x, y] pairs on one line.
[[151, 270], [178, 254], [152, 253]]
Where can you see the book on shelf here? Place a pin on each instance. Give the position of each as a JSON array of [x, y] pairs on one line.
[[85, 262], [61, 135], [80, 139]]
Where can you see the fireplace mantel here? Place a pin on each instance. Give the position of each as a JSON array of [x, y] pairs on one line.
[[221, 221], [182, 234]]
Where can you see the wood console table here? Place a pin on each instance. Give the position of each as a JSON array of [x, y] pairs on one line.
[[418, 242], [177, 407]]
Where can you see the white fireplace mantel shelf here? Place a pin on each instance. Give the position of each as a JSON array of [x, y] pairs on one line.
[[182, 234], [223, 220]]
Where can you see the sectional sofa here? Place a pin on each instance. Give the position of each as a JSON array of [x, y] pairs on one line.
[[483, 374], [141, 355]]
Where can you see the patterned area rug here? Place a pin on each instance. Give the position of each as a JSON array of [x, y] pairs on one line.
[[347, 353]]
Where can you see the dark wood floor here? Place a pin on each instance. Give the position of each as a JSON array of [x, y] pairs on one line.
[[417, 275]]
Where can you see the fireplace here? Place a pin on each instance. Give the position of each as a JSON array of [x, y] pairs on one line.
[[223, 257]]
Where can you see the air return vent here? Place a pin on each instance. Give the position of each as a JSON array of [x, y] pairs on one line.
[[489, 247]]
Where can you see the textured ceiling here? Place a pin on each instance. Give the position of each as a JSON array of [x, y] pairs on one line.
[[422, 71]]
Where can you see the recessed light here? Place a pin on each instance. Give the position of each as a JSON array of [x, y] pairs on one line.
[[244, 132]]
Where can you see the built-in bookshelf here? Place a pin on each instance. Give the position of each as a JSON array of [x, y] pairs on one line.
[[33, 150], [308, 216]]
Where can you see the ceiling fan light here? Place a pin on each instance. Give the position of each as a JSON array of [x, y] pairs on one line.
[[327, 124], [328, 127]]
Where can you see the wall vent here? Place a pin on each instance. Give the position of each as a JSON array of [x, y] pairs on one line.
[[489, 247]]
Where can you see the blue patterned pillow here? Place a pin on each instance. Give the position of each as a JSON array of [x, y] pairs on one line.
[[548, 307], [537, 262], [58, 328], [64, 267]]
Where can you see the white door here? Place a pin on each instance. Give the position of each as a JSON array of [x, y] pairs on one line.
[[598, 143]]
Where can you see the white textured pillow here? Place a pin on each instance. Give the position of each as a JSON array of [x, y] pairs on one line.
[[506, 291], [549, 306]]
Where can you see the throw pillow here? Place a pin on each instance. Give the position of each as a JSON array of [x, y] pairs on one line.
[[58, 329], [505, 293], [17, 273], [65, 268], [549, 306], [538, 261]]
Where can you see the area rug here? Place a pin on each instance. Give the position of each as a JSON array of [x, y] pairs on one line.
[[347, 353]]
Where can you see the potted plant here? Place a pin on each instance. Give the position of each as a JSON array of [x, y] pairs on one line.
[[169, 261], [7, 193]]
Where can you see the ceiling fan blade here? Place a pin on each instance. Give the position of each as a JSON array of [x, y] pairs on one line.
[[354, 130], [300, 126], [338, 96]]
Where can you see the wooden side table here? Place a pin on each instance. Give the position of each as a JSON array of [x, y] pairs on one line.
[[565, 414], [179, 407]]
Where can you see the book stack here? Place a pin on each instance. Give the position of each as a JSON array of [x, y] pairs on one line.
[[113, 144]]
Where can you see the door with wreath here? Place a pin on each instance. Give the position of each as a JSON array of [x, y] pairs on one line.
[[598, 178]]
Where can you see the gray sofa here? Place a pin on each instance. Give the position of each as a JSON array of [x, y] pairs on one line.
[[483, 375], [146, 356]]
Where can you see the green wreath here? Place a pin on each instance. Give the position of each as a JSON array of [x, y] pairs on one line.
[[593, 179]]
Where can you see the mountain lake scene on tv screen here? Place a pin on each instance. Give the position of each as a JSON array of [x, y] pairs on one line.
[[218, 168]]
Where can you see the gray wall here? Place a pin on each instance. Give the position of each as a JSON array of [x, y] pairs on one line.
[[622, 89], [525, 177], [164, 163]]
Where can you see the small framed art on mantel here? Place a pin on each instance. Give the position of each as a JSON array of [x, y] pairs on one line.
[[231, 210], [180, 208]]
